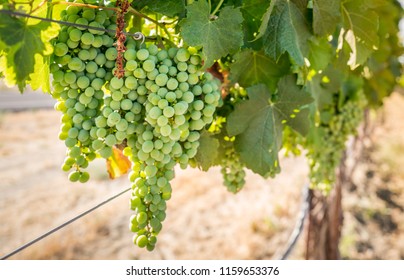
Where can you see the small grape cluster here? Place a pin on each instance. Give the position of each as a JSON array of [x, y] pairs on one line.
[[333, 136], [232, 170], [155, 112]]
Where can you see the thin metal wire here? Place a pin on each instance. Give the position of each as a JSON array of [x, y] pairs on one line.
[[62, 225], [136, 36]]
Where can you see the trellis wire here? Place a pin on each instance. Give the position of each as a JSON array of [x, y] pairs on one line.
[[136, 35], [32, 242]]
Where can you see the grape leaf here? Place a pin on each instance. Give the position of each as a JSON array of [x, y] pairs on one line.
[[284, 29], [117, 164], [320, 54], [257, 124], [207, 151], [254, 67], [25, 42], [326, 16], [323, 86], [252, 11], [218, 37], [169, 8], [361, 26]]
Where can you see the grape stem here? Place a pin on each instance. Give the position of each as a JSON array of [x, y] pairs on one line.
[[217, 7]]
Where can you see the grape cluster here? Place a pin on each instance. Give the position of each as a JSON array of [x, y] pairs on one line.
[[232, 170], [156, 111], [177, 101], [333, 134], [83, 62]]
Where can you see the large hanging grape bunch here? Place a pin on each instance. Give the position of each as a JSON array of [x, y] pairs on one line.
[[155, 111]]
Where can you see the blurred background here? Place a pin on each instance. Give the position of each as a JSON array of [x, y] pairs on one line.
[[204, 220]]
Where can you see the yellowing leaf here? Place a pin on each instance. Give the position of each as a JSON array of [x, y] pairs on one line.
[[117, 164]]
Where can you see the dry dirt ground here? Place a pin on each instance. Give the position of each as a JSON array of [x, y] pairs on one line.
[[204, 221]]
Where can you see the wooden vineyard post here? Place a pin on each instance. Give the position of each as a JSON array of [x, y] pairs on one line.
[[325, 221]]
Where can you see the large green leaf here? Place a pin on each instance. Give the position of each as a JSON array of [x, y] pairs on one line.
[[326, 16], [321, 53], [25, 59], [218, 37], [284, 29], [257, 124], [255, 67], [361, 26]]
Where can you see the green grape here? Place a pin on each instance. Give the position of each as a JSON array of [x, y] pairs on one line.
[[111, 53], [74, 176], [142, 54], [116, 83], [149, 65], [75, 35], [75, 64], [84, 177], [87, 38], [83, 82], [60, 49]]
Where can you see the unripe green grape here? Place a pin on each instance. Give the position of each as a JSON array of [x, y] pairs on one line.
[[170, 96], [83, 82], [84, 177], [116, 83], [147, 146], [142, 54], [73, 132], [182, 66], [183, 55], [130, 55], [153, 50], [141, 241], [182, 77], [89, 14], [101, 132], [75, 64], [172, 71], [168, 111], [193, 79], [165, 130], [149, 65], [188, 97], [100, 59], [100, 73], [111, 53], [105, 152], [122, 125], [75, 35], [60, 49], [70, 77], [74, 176], [139, 73], [150, 171], [198, 105], [114, 118]]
